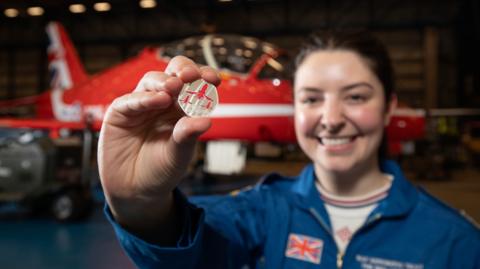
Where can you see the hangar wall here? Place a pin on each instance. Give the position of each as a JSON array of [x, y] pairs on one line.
[[422, 36]]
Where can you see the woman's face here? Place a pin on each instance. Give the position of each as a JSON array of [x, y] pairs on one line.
[[340, 111]]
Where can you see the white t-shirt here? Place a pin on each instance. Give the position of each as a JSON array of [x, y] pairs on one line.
[[348, 214]]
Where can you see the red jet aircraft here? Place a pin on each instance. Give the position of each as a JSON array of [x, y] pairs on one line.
[[255, 89]]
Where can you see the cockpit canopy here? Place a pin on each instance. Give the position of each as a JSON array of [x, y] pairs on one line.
[[232, 53]]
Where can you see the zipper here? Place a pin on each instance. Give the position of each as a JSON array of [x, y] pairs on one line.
[[339, 260], [329, 231], [341, 254], [366, 224]]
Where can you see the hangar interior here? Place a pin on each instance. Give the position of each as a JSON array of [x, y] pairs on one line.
[[433, 45], [431, 42]]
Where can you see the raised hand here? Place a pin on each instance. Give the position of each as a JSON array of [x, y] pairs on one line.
[[146, 144]]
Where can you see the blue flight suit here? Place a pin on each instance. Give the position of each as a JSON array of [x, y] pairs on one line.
[[409, 229]]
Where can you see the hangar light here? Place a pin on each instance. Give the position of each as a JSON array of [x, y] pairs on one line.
[[247, 53], [222, 51], [77, 8], [35, 11], [11, 12], [250, 43], [102, 6], [148, 3], [238, 52], [218, 41]]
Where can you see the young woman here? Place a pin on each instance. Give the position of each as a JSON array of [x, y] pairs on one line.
[[349, 209]]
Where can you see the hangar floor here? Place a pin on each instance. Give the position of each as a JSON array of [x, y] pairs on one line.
[[43, 243]]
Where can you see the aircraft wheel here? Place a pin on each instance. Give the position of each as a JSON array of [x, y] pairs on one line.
[[69, 206]]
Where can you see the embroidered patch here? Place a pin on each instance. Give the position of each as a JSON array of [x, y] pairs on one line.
[[377, 262], [304, 248]]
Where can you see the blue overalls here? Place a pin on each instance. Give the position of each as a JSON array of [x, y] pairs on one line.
[[282, 223]]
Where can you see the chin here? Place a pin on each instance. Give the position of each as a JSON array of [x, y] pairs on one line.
[[338, 165]]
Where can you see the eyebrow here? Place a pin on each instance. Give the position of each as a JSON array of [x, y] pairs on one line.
[[356, 85], [310, 89], [345, 88]]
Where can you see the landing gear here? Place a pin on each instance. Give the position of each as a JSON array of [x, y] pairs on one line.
[[70, 206]]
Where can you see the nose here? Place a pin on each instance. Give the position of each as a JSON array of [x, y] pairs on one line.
[[332, 118]]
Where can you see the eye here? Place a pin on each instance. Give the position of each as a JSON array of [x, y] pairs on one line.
[[357, 98], [310, 100]]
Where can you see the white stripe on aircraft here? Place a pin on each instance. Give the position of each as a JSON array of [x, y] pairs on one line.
[[252, 110]]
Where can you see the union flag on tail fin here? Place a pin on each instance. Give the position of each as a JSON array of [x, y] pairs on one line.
[[65, 67]]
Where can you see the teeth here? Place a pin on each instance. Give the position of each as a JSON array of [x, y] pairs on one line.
[[335, 141]]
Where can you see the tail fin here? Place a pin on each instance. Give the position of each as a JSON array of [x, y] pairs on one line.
[[64, 64]]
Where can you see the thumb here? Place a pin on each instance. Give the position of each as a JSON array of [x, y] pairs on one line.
[[187, 129], [184, 137]]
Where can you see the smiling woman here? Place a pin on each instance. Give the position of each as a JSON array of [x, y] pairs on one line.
[[351, 208], [341, 112]]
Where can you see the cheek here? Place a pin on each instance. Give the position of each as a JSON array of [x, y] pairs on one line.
[[368, 119], [303, 122], [299, 123]]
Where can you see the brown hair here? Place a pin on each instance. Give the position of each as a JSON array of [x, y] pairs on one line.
[[371, 49], [361, 42]]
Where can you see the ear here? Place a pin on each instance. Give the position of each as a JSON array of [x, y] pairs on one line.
[[391, 106]]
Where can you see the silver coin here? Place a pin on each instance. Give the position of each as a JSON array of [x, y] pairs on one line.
[[198, 99]]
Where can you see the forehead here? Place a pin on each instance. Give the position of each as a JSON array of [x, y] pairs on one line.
[[336, 66]]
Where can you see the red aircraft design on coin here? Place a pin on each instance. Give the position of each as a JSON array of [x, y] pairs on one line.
[[203, 103]]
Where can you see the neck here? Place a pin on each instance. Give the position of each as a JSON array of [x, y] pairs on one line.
[[356, 182]]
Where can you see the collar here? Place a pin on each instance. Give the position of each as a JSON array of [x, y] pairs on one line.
[[401, 197]]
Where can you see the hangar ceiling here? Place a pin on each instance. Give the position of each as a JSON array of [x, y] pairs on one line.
[[173, 19]]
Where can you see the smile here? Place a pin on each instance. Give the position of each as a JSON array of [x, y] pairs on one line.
[[335, 141]]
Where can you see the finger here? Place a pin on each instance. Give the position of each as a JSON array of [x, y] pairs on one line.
[[139, 102], [159, 81], [184, 68], [210, 75], [152, 81], [176, 64], [188, 129]]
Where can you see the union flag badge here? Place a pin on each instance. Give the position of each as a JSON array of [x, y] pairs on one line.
[[304, 248]]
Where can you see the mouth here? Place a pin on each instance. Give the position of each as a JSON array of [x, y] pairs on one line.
[[336, 141]]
